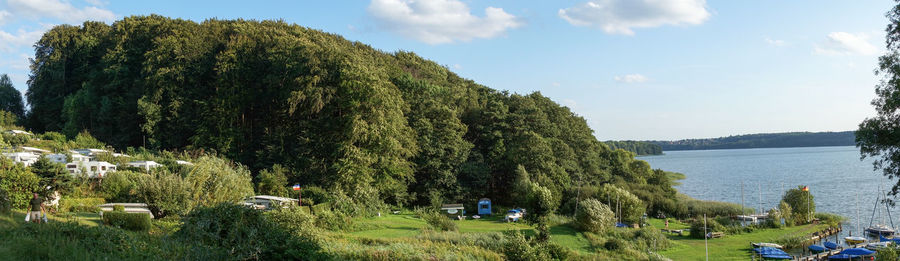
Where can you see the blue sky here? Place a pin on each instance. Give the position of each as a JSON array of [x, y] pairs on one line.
[[635, 69]]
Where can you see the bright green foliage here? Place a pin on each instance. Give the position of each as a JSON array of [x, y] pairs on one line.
[[244, 234], [7, 119], [629, 207], [18, 182], [437, 220], [165, 193], [129, 221], [53, 175], [878, 137], [273, 182], [538, 200], [214, 180], [293, 220], [593, 216], [67, 204], [888, 253], [640, 148], [118, 208], [120, 186], [10, 98], [785, 211], [802, 203], [711, 225]]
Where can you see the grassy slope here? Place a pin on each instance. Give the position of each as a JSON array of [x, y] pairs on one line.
[[409, 226], [731, 247]]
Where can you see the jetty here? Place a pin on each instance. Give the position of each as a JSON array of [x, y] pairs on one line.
[[827, 253]]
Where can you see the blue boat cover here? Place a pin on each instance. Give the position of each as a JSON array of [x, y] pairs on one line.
[[769, 251], [884, 239], [620, 225], [831, 245], [840, 257], [816, 248], [777, 256], [857, 252]]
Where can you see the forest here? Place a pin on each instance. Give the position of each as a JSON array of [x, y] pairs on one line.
[[342, 115], [763, 140], [641, 148]]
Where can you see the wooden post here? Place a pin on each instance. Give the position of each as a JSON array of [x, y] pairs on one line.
[[299, 197]]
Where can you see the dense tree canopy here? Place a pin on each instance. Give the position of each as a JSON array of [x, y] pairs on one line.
[[10, 98], [641, 148], [334, 113], [878, 137]]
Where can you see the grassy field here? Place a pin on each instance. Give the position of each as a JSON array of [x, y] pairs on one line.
[[88, 219], [730, 247]]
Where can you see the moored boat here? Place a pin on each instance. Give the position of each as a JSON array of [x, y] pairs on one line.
[[762, 244], [880, 230], [815, 249], [830, 245], [854, 240]]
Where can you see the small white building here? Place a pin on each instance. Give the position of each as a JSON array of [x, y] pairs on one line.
[[266, 202], [95, 169], [26, 158], [146, 165], [64, 158]]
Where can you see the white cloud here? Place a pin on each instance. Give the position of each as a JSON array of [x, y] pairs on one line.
[[4, 16], [774, 42], [97, 2], [555, 84], [631, 78], [843, 43], [621, 16], [62, 10], [440, 21], [457, 66], [22, 38]]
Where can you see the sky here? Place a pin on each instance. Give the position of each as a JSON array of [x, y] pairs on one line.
[[634, 69]]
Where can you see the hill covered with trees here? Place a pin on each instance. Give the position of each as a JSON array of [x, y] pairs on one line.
[[389, 127], [640, 148], [764, 140]]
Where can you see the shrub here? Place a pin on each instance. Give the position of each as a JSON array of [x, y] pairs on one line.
[[165, 193], [322, 207], [711, 226], [334, 220], [214, 180], [243, 234], [5, 206], [630, 207], [295, 220], [518, 247], [120, 186], [273, 182], [18, 183], [437, 220], [119, 208], [129, 221], [593, 216], [80, 204], [316, 194]]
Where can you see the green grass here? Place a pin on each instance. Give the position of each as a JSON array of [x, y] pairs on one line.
[[17, 217], [408, 225], [730, 247]]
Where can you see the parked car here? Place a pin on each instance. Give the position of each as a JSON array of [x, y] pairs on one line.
[[514, 215]]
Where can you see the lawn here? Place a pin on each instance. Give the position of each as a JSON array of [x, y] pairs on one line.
[[730, 247], [17, 217], [409, 226]]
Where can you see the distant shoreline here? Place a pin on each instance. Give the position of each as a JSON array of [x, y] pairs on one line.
[[763, 141]]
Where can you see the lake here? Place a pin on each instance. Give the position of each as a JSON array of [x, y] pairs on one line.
[[835, 175]]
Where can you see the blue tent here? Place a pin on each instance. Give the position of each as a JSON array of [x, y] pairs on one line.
[[484, 206]]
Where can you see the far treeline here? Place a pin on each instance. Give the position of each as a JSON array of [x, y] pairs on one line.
[[641, 148], [380, 128], [764, 140]]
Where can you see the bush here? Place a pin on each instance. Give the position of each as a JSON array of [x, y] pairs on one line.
[[80, 204], [18, 183], [593, 216], [129, 221], [120, 186], [630, 207], [518, 247], [243, 234], [273, 182], [214, 180], [711, 226], [437, 220], [334, 220], [119, 208], [165, 193], [316, 194], [295, 220], [322, 207]]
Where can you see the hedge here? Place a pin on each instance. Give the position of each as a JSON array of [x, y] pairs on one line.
[[80, 204], [320, 208], [125, 220]]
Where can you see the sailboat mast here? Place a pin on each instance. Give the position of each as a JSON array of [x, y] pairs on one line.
[[857, 212], [760, 198], [742, 197]]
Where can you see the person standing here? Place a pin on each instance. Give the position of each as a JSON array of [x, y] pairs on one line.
[[37, 207]]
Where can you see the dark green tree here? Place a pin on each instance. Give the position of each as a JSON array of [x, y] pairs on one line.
[[10, 98], [878, 137], [802, 204]]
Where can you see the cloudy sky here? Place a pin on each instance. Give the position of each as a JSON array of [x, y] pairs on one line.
[[635, 69]]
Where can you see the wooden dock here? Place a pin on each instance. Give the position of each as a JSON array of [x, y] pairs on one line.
[[827, 253]]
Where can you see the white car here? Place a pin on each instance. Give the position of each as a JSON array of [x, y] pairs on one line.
[[513, 215]]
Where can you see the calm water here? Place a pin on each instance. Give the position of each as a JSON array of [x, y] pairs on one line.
[[834, 175]]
